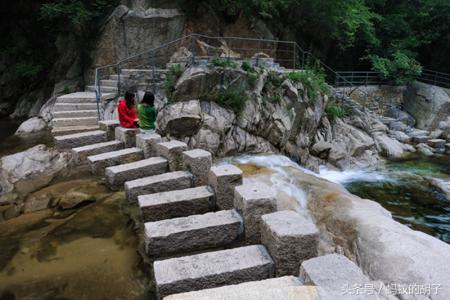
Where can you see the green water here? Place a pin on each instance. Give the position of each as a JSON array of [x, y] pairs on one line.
[[409, 196]]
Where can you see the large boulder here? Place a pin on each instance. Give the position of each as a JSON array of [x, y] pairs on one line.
[[32, 125], [391, 148], [30, 170], [428, 104], [180, 119]]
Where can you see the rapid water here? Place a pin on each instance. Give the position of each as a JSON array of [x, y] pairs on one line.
[[401, 187]]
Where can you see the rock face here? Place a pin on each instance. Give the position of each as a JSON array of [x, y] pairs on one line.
[[129, 31], [32, 125], [27, 171], [428, 104]]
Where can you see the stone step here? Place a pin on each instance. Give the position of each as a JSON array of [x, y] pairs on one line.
[[177, 180], [127, 72], [58, 131], [109, 126], [117, 175], [75, 113], [108, 82], [80, 139], [196, 232], [106, 89], [80, 121], [174, 204], [212, 269], [287, 287], [83, 97], [98, 163], [116, 77], [81, 153], [74, 106]]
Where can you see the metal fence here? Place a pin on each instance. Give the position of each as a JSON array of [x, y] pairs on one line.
[[287, 54]]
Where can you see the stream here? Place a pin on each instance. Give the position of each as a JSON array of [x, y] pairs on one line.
[[90, 252]]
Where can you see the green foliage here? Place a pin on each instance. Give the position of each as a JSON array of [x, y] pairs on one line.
[[27, 70], [223, 62], [79, 13], [313, 81], [247, 67], [233, 97], [66, 90], [399, 68], [173, 74], [335, 111], [252, 78]]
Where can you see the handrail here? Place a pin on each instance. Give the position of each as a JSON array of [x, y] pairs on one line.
[[299, 58]]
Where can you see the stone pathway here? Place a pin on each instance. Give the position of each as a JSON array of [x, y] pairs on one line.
[[207, 235]]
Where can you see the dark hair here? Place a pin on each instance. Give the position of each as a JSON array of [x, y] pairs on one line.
[[149, 99], [129, 98]]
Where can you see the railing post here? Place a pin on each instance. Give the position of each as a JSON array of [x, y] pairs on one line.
[[119, 70], [294, 56]]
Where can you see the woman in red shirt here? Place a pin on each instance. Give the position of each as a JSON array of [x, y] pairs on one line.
[[128, 117]]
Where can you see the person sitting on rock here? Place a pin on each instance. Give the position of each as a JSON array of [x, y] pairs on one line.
[[147, 113], [128, 117]]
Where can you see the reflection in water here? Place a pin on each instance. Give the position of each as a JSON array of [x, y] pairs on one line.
[[89, 253]]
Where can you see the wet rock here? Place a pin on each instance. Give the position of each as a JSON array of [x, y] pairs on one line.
[[400, 136], [321, 149], [435, 134], [425, 149], [27, 171], [31, 125], [73, 199], [436, 143]]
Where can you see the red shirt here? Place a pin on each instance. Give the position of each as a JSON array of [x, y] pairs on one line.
[[127, 115]]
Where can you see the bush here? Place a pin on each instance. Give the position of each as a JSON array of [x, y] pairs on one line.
[[223, 62], [335, 111], [235, 98], [247, 67], [312, 79], [399, 68], [173, 74], [252, 78], [28, 70]]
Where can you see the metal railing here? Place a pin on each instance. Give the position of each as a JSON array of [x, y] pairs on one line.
[[287, 54], [360, 78]]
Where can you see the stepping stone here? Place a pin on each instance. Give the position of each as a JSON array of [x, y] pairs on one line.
[[62, 122], [436, 143], [196, 232], [159, 183], [333, 272], [74, 106], [252, 201], [212, 269], [81, 153], [173, 204], [80, 139], [126, 135], [223, 180], [117, 175], [198, 162], [287, 287], [173, 151], [75, 113], [147, 142], [109, 126], [99, 162], [290, 239]]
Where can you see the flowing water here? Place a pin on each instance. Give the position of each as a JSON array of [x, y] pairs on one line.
[[401, 187]]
